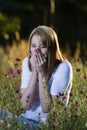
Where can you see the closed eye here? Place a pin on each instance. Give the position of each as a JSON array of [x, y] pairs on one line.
[[42, 46], [33, 45]]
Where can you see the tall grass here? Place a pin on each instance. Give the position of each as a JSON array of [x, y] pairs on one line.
[[74, 117]]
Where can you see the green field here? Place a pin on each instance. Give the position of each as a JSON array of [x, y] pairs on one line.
[[74, 117]]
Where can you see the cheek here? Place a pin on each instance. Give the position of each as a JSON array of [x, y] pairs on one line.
[[32, 50], [45, 52]]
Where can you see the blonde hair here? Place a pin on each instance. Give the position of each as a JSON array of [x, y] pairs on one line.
[[48, 37]]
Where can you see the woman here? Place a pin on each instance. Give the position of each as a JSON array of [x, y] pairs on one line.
[[45, 74]]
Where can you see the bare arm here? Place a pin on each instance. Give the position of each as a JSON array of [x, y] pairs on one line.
[[44, 94], [45, 97], [28, 94]]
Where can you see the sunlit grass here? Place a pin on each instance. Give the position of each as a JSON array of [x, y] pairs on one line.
[[72, 118]]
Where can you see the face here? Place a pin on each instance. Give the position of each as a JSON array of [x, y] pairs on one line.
[[37, 44]]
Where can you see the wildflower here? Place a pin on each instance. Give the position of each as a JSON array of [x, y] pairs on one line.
[[76, 103], [18, 71], [27, 100], [17, 111], [15, 64], [71, 94], [78, 58], [17, 96], [5, 74], [84, 76], [61, 94], [77, 69], [18, 59], [11, 71], [17, 89], [64, 97], [14, 75], [75, 116], [29, 95], [81, 91], [53, 127], [20, 95]]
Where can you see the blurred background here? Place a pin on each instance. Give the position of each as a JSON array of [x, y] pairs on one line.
[[67, 17]]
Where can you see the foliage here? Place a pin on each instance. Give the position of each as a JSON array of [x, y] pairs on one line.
[[73, 117], [8, 26], [10, 73]]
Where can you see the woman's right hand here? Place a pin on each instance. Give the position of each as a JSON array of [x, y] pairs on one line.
[[33, 62]]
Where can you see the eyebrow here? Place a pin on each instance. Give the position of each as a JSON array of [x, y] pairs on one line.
[[36, 43], [40, 44], [33, 43]]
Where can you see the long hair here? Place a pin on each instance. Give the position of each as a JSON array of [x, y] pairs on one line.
[[50, 39]]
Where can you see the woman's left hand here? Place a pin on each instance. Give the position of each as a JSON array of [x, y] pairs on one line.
[[41, 61]]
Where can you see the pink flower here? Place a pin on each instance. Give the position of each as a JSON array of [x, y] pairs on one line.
[[77, 69], [18, 59], [27, 100], [17, 96], [11, 71], [29, 95], [19, 71], [20, 95], [17, 89], [81, 91], [64, 97], [75, 116], [61, 94], [84, 76]]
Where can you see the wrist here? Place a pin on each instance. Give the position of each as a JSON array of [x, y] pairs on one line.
[[34, 73], [43, 77]]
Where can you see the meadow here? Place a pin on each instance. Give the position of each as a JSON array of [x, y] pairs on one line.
[[74, 117]]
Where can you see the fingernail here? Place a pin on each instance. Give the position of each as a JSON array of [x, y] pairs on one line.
[[45, 56], [35, 55], [36, 50]]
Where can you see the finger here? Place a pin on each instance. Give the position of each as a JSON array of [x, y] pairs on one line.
[[33, 60], [41, 56], [37, 60]]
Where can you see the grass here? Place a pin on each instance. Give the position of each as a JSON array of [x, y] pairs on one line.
[[74, 117]]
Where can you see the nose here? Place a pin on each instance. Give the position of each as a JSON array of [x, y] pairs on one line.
[[37, 48]]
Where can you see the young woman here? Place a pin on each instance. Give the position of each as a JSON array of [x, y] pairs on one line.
[[45, 74]]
